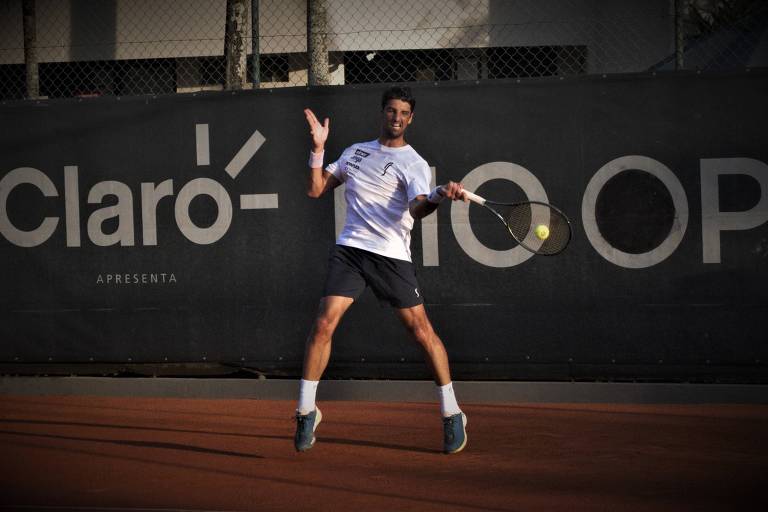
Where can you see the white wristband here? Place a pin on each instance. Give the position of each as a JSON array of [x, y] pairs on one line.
[[316, 159], [436, 196]]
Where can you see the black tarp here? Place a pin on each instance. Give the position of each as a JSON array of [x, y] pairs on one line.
[[245, 290]]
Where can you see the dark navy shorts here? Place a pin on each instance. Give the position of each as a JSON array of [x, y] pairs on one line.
[[351, 270]]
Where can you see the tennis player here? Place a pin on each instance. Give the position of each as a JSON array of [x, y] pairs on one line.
[[387, 187]]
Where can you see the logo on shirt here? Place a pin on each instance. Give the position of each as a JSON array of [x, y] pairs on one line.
[[360, 152], [389, 164]]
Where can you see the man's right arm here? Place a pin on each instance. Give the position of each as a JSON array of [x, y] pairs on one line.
[[423, 205]]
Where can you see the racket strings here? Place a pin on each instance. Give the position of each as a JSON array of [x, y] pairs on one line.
[[524, 218], [519, 221]]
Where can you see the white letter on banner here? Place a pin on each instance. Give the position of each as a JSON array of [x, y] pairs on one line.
[[72, 205], [429, 245], [713, 221], [462, 229], [679, 200], [123, 210], [150, 196], [218, 229], [43, 232]]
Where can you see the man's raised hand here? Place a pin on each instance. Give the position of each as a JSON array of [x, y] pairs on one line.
[[319, 131]]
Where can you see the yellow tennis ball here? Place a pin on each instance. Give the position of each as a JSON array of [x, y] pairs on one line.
[[541, 231]]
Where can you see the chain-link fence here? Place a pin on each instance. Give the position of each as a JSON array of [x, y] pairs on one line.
[[66, 48]]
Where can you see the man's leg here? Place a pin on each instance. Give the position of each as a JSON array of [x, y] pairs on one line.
[[317, 350], [454, 420], [316, 354], [418, 325]]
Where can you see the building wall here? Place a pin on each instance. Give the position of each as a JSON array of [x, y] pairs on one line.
[[619, 36]]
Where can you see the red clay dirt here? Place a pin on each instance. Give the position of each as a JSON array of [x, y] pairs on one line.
[[163, 453]]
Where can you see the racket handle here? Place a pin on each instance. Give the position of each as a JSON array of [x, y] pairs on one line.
[[474, 197]]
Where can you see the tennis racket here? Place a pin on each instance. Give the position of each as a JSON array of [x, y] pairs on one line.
[[538, 227]]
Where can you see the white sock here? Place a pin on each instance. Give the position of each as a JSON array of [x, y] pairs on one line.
[[448, 404], [307, 392]]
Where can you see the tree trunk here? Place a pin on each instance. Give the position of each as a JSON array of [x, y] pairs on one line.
[[30, 48], [255, 55], [681, 11], [317, 42], [234, 44]]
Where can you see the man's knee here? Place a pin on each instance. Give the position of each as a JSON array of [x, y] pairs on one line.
[[328, 316], [422, 331], [417, 324], [323, 328]]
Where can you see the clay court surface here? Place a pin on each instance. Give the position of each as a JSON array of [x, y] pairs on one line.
[[100, 453]]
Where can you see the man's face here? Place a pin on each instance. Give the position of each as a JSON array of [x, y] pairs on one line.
[[397, 116]]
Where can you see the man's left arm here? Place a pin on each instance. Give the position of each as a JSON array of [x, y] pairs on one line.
[[423, 205]]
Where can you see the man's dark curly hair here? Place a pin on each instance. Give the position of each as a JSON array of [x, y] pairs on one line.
[[398, 92]]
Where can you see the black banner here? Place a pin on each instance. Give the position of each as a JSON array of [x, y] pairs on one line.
[[168, 229]]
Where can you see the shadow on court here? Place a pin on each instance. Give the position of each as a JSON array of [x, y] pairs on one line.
[[163, 453]]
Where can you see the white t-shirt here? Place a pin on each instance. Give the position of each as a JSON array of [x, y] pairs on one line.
[[380, 182]]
